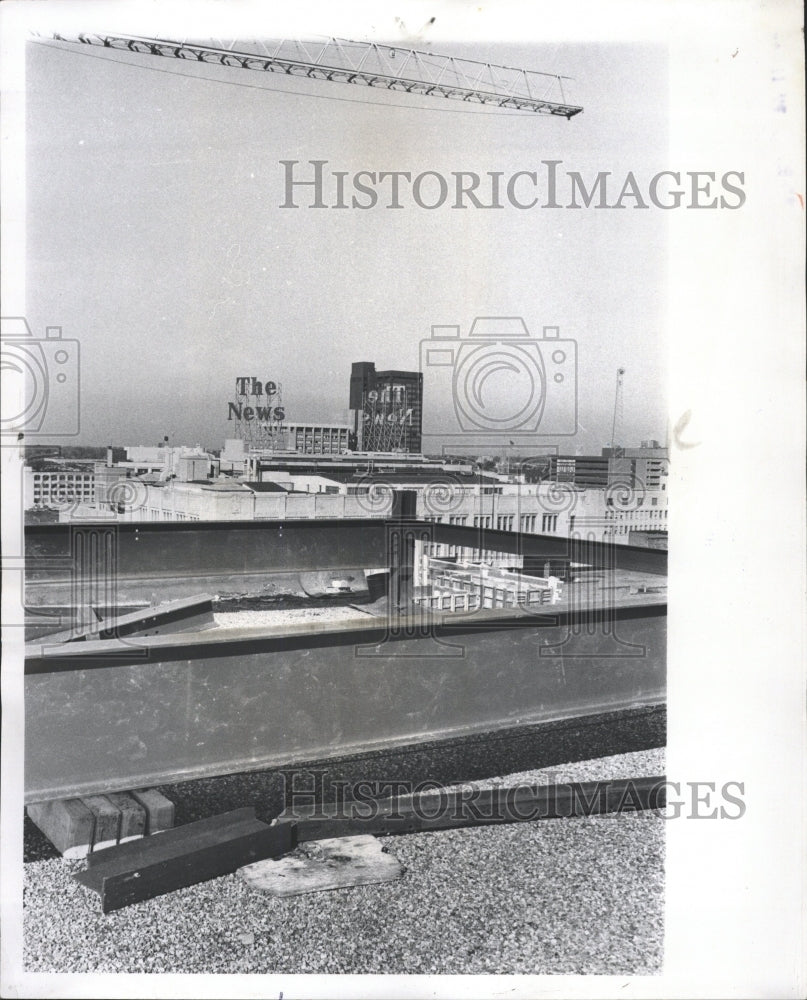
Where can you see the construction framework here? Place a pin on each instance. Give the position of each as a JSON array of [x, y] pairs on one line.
[[369, 64]]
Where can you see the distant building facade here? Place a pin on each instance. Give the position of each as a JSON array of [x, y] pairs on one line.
[[620, 496], [580, 470], [291, 439], [463, 499], [57, 488], [315, 439], [181, 462], [644, 468]]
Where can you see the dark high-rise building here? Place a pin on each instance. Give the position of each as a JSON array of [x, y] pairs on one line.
[[386, 409]]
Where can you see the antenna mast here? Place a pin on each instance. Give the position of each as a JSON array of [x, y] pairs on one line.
[[617, 421]]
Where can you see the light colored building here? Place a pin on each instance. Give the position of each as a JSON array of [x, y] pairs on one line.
[[645, 467], [119, 486], [294, 482], [315, 439], [550, 509], [221, 500], [291, 439], [57, 488], [234, 457], [181, 461], [540, 509]]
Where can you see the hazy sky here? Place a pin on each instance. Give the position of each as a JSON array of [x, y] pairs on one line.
[[156, 237]]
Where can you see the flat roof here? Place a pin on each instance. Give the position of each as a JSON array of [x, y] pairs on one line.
[[265, 487], [421, 476]]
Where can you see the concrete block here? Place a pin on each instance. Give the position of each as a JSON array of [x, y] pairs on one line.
[[78, 827], [67, 823], [132, 816], [159, 809], [107, 821]]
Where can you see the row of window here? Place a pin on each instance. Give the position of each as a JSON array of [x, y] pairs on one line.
[[609, 501], [631, 515], [62, 476], [157, 514], [549, 522], [623, 529], [65, 489]]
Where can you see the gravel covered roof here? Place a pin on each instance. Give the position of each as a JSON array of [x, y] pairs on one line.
[[555, 896]]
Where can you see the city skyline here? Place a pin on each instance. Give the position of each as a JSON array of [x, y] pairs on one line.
[[158, 241]]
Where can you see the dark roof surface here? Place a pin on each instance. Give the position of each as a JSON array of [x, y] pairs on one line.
[[420, 476], [265, 487]]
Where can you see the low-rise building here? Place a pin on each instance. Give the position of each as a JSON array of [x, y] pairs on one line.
[[181, 461], [315, 439], [541, 509], [58, 488]]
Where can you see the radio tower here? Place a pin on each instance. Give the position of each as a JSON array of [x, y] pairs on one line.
[[616, 424]]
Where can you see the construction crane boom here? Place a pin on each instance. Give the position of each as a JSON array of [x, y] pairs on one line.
[[369, 64]]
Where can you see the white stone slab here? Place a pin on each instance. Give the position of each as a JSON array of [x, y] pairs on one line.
[[317, 865]]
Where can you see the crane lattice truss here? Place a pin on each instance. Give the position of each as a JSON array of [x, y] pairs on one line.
[[367, 64]]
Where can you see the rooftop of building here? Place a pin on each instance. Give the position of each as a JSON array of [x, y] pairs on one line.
[[420, 476], [83, 466], [410, 457], [223, 485], [398, 373], [265, 487], [360, 367], [330, 424], [218, 485]]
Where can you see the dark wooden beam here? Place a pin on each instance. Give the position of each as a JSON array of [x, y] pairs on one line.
[[184, 856]]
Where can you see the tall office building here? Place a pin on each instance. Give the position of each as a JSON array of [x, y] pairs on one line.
[[386, 409]]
